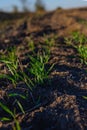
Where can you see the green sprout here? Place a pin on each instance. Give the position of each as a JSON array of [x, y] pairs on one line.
[[79, 38], [82, 50], [11, 62], [38, 68], [12, 116], [31, 45], [15, 71]]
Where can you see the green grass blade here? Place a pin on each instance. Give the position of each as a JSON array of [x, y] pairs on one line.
[[20, 106], [17, 125], [6, 109], [16, 94], [85, 97], [5, 119]]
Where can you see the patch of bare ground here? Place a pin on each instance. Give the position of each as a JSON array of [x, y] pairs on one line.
[[61, 105]]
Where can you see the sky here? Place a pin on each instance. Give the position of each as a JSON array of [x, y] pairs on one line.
[[50, 4]]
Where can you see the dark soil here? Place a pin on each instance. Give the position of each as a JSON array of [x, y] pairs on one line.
[[61, 105]]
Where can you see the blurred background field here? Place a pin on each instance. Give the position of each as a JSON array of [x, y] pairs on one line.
[[9, 5]]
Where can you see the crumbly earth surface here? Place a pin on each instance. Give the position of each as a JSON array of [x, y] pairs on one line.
[[61, 105]]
